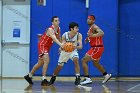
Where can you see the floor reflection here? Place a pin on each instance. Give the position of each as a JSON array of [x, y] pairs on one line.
[[21, 86], [106, 89]]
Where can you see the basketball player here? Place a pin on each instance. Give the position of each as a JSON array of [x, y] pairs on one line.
[[94, 37], [46, 40], [71, 36]]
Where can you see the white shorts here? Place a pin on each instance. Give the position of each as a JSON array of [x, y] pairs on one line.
[[65, 56]]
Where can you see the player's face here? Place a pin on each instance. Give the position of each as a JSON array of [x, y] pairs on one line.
[[56, 22], [75, 29], [90, 21]]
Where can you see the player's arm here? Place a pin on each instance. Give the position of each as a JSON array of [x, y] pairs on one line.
[[79, 42], [52, 35], [98, 32], [63, 39], [59, 37]]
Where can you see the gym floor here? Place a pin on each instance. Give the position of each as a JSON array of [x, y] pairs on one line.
[[112, 86]]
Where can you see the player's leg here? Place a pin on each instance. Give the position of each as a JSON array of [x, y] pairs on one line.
[[102, 70], [85, 60], [75, 58], [77, 70], [46, 60], [98, 66], [63, 58], [28, 77], [77, 67], [96, 59], [56, 72], [37, 66]]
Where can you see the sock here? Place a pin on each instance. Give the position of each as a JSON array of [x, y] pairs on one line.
[[54, 75], [43, 77], [105, 73], [77, 75], [30, 75]]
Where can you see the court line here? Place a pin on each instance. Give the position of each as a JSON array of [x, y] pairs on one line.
[[133, 87]]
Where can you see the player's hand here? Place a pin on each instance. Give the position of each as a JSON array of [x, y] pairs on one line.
[[75, 47], [39, 36], [86, 40], [62, 45]]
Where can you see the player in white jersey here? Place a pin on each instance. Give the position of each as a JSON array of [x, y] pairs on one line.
[[71, 36]]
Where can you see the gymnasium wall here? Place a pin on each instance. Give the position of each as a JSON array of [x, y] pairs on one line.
[[129, 52], [0, 35], [106, 13]]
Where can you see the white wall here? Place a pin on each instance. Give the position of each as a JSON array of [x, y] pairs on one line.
[[17, 19], [15, 53], [0, 31]]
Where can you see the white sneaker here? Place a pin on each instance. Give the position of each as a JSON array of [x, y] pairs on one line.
[[86, 81], [106, 78]]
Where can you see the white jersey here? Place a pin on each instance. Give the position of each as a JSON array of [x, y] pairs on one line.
[[74, 39], [65, 56]]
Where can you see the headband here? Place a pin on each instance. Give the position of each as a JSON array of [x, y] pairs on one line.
[[91, 17]]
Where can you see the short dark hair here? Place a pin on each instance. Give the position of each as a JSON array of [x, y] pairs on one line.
[[53, 18], [72, 25]]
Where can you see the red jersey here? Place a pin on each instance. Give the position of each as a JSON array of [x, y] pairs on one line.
[[46, 42], [94, 41], [96, 44]]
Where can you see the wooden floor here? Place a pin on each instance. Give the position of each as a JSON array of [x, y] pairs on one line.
[[21, 86]]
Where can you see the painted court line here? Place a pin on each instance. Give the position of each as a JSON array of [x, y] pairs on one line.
[[133, 88]]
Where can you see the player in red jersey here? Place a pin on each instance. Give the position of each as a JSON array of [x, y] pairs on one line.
[[45, 42], [94, 37]]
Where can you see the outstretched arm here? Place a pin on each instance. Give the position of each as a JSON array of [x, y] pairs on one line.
[[63, 39], [52, 35], [58, 36]]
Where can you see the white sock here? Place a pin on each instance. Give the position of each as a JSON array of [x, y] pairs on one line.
[[30, 75], [106, 75], [77, 74], [54, 75], [43, 77]]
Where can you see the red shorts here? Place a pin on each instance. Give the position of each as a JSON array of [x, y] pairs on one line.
[[43, 50], [95, 52]]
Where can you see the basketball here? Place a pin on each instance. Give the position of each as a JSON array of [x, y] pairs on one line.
[[68, 47]]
